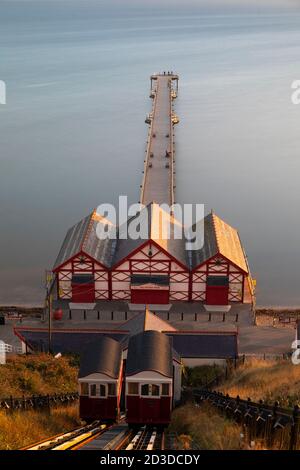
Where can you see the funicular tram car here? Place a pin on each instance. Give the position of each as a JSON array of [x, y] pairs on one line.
[[149, 379], [100, 381]]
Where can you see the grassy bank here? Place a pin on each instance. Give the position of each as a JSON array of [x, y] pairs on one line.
[[38, 374], [34, 375], [201, 376], [267, 380], [202, 427], [21, 429]]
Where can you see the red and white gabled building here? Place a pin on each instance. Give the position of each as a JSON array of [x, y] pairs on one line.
[[155, 269], [219, 270], [82, 267]]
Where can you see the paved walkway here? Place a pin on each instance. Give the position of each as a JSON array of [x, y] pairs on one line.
[[158, 178], [252, 339]]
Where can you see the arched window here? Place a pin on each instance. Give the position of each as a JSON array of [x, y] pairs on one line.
[[151, 390]]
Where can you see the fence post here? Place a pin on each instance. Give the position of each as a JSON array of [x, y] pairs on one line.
[[295, 428], [274, 419], [11, 400], [48, 404]]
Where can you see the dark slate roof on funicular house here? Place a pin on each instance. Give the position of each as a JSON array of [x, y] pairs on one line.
[[72, 341], [103, 356], [150, 351], [205, 345]]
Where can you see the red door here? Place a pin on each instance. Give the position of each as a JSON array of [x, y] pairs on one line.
[[83, 288], [217, 295], [147, 296], [217, 290]]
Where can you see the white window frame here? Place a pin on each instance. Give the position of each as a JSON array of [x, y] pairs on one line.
[[116, 389], [169, 385], [97, 390], [80, 389], [150, 389], [133, 394]]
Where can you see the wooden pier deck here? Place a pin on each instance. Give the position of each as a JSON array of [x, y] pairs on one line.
[[158, 181]]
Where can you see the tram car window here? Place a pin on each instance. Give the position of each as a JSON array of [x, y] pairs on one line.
[[100, 381], [149, 379]]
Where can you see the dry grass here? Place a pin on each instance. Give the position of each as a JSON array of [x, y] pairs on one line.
[[38, 374], [200, 376], [20, 429], [268, 380], [205, 428]]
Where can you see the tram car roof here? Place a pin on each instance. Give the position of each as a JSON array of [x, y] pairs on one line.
[[102, 356], [150, 350]]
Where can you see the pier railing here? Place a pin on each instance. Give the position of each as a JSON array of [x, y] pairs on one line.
[[171, 149], [149, 139]]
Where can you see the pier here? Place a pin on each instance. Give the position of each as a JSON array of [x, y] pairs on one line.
[[158, 180]]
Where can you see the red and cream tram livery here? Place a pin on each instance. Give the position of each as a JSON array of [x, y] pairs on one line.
[[149, 379], [100, 381]]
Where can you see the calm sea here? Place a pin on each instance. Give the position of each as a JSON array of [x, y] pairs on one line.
[[72, 134]]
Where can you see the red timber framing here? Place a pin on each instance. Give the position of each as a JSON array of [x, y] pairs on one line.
[[150, 259], [218, 265], [82, 263]]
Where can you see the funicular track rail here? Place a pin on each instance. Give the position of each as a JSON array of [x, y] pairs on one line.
[[70, 440], [144, 438]]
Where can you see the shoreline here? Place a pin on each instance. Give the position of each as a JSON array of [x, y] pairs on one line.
[[260, 310]]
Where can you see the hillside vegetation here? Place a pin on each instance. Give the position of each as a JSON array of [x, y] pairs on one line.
[[267, 380], [38, 374], [204, 428], [20, 429]]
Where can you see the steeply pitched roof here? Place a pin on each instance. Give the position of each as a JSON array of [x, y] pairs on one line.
[[205, 345], [126, 244], [157, 225], [103, 356], [145, 321], [83, 237], [150, 350], [218, 238]]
